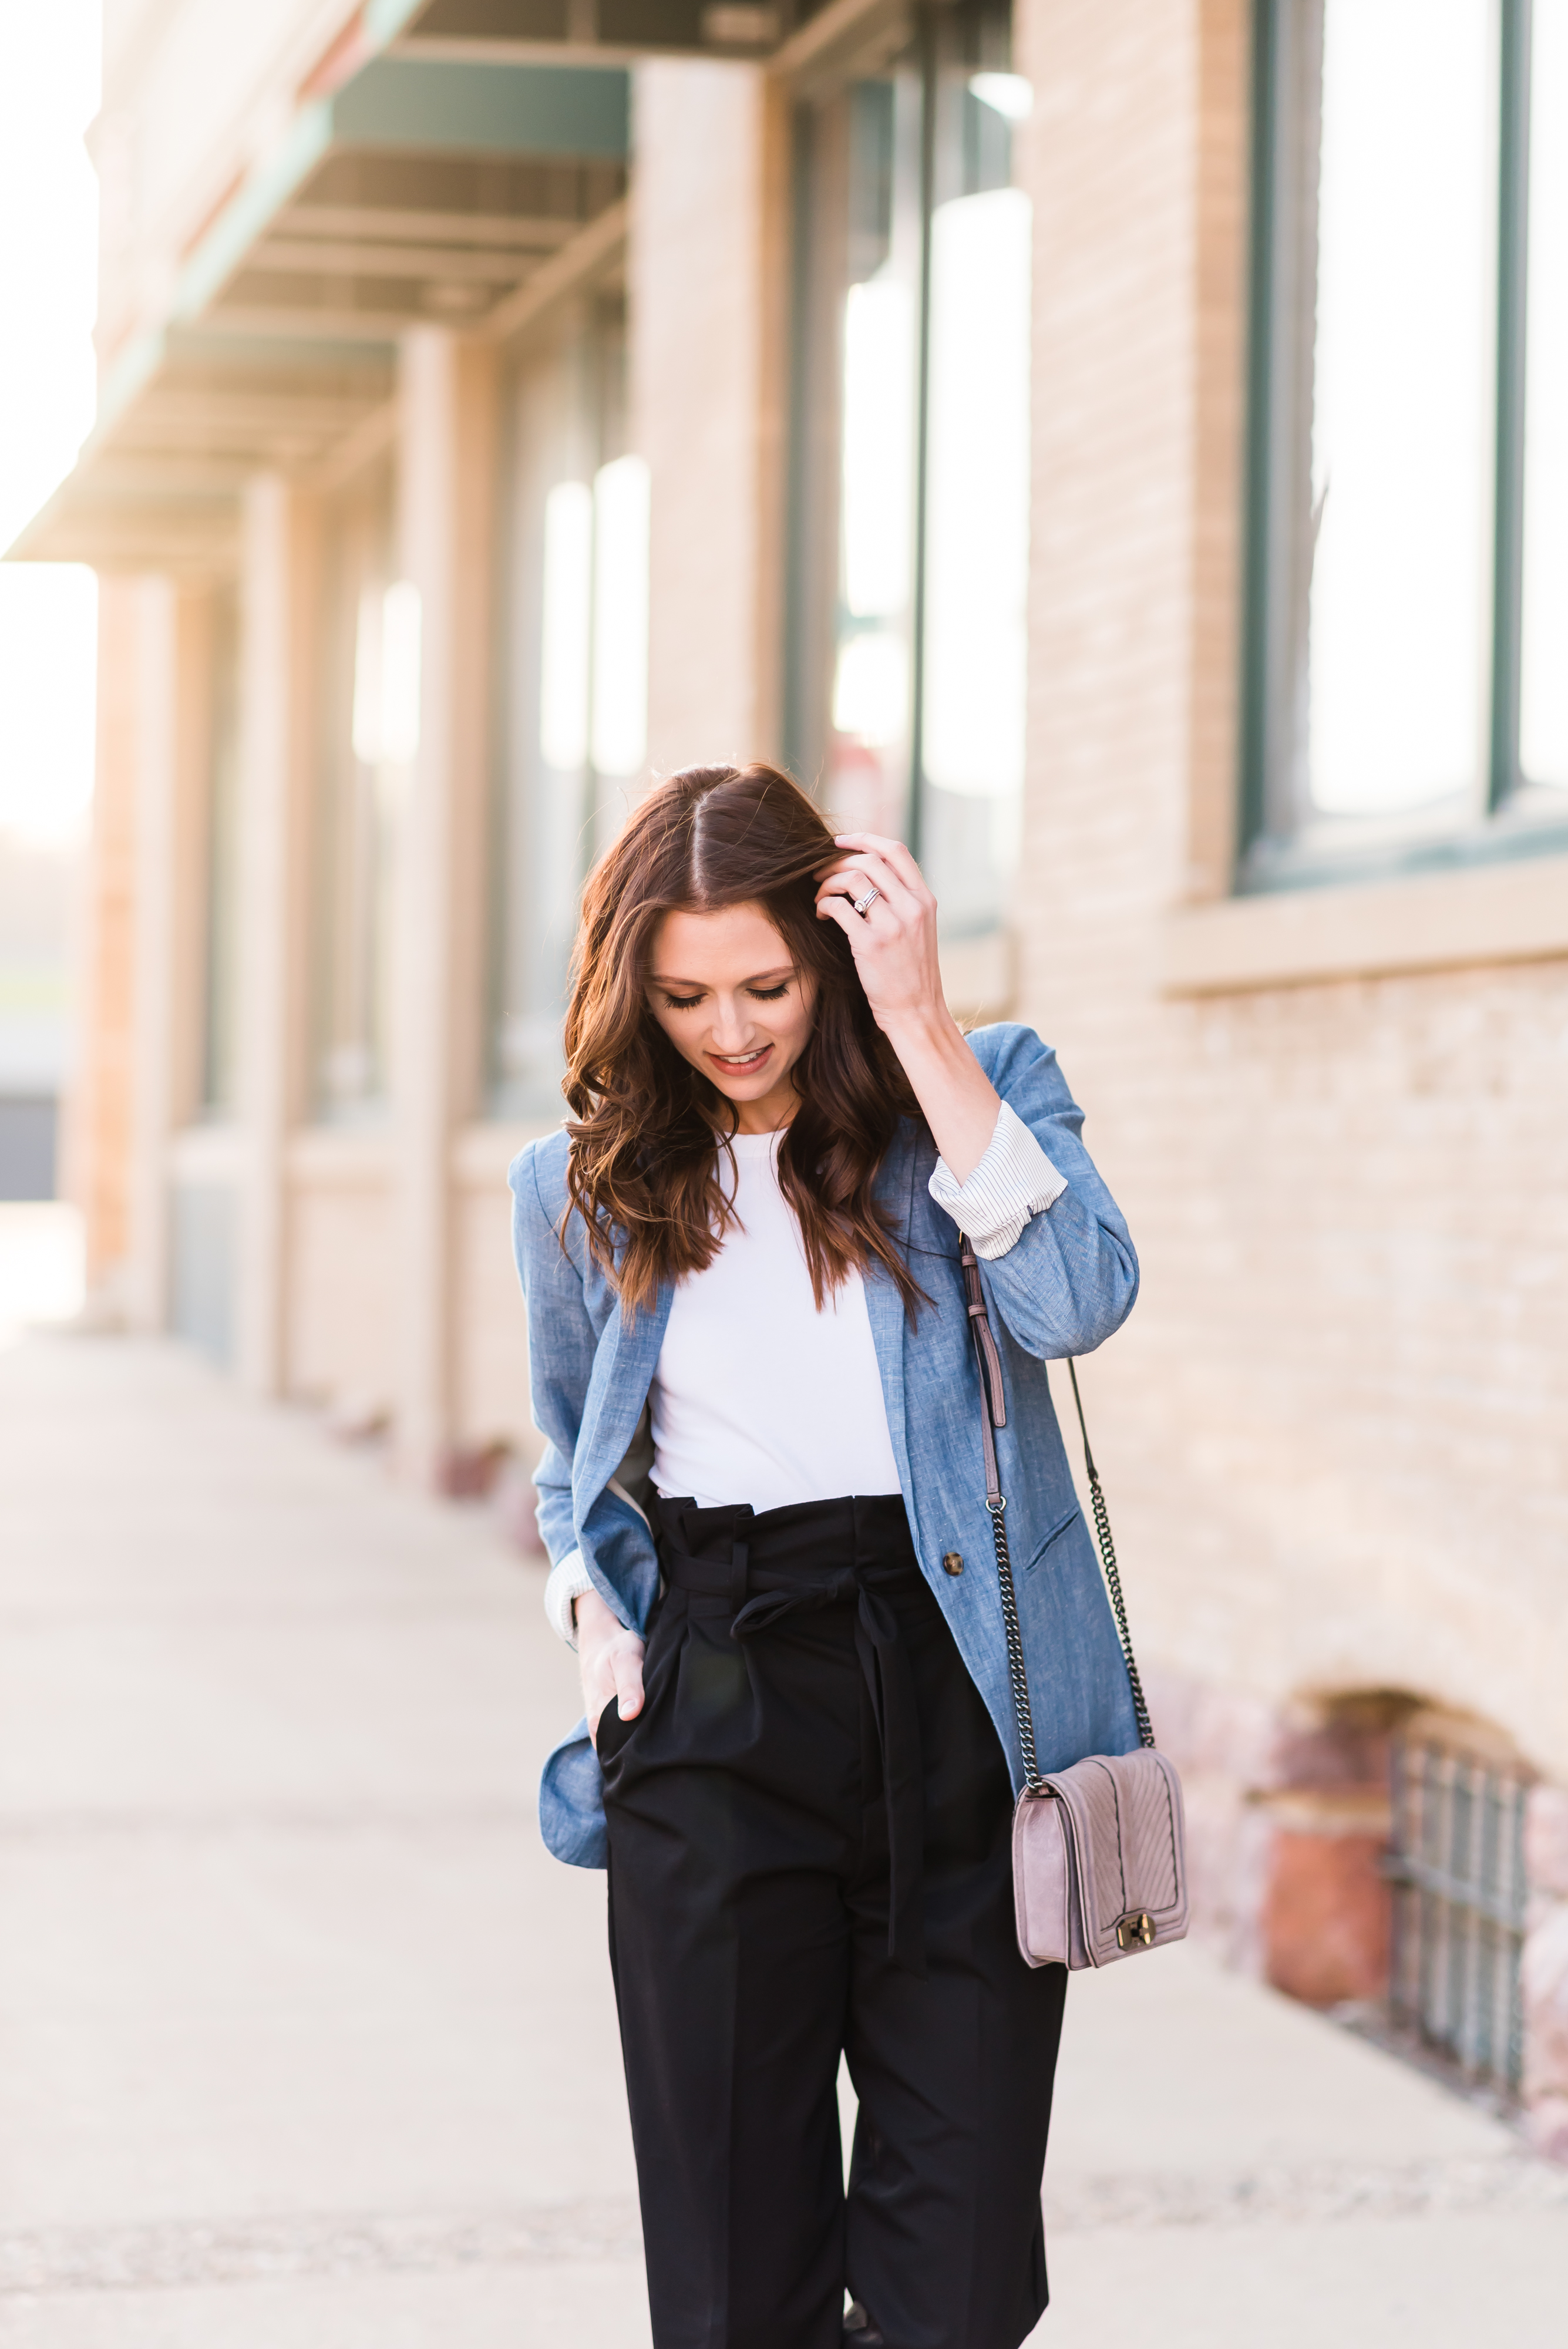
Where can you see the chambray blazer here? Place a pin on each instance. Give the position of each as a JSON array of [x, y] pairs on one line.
[[1066, 1284]]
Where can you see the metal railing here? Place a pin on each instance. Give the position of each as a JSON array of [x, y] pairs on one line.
[[1456, 1867]]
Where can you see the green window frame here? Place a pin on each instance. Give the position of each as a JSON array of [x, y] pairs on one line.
[[882, 417], [1282, 844]]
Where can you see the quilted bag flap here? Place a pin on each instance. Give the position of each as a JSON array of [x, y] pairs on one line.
[[1123, 1812]]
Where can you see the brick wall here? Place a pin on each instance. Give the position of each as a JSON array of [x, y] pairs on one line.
[[1332, 1434]]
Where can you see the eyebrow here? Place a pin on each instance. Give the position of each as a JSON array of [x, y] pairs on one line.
[[701, 985]]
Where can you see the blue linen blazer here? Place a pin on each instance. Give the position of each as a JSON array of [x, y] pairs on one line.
[[1063, 1288]]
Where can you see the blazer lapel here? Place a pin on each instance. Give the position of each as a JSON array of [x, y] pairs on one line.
[[623, 1364], [884, 1305]]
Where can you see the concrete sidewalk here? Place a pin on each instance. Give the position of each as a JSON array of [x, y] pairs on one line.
[[305, 2044]]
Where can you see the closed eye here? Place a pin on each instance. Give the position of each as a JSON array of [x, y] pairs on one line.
[[769, 994], [682, 1002]]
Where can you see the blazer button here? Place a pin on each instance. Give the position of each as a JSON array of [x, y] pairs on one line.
[[952, 1562]]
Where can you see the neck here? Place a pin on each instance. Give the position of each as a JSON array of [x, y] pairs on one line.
[[770, 1112]]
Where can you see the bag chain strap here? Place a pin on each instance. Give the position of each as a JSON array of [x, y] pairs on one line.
[[1109, 1560], [993, 1414]]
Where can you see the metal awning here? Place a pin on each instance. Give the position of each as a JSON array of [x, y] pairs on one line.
[[791, 36], [415, 190], [193, 416], [419, 190], [455, 160], [623, 28]]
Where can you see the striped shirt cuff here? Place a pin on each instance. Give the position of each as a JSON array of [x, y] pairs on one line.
[[1013, 1181], [567, 1584]]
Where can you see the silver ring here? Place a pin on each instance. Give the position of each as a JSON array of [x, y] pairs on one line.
[[862, 906]]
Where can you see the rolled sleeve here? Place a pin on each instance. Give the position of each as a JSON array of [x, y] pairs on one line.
[[567, 1584], [1013, 1181]]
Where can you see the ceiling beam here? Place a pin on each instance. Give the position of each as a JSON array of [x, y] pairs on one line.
[[371, 437], [191, 410], [503, 230], [352, 325], [839, 37], [575, 266], [317, 257], [483, 51]]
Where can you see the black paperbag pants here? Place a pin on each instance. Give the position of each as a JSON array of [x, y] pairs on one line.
[[809, 1853]]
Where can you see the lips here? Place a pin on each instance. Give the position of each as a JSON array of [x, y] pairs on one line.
[[742, 1066]]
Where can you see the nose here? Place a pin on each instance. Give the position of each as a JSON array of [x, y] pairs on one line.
[[732, 1026]]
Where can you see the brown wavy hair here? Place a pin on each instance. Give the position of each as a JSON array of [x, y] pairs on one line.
[[643, 1171]]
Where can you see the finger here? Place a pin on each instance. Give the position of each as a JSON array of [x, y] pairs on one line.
[[850, 894], [840, 910], [881, 840], [629, 1685], [848, 881], [887, 876], [849, 852], [894, 853], [869, 872]]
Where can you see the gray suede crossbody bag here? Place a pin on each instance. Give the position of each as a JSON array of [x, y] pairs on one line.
[[1099, 1861]]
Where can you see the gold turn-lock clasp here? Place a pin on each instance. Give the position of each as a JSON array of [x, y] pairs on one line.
[[1135, 1930]]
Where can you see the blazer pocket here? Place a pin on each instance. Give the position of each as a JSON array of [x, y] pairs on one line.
[[1060, 1527]]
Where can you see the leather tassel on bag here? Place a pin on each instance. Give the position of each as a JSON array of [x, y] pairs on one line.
[[1099, 1860]]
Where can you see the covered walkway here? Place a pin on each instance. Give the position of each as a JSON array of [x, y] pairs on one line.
[[305, 2044]]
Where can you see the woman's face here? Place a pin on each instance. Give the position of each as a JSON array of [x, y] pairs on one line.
[[726, 991]]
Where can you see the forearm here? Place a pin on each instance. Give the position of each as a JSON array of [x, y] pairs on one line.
[[593, 1620], [960, 1102]]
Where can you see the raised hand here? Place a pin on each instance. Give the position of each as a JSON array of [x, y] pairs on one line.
[[893, 937], [894, 941]]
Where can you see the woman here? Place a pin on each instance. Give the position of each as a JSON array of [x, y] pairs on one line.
[[763, 1489]]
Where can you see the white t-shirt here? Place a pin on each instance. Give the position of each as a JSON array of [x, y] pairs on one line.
[[757, 1396]]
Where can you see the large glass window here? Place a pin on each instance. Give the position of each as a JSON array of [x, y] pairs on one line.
[[574, 670], [1409, 470], [369, 663], [909, 492], [1544, 697]]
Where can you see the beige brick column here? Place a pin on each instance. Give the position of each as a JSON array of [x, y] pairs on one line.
[[707, 388], [168, 730], [277, 613], [446, 502], [98, 1106], [154, 730]]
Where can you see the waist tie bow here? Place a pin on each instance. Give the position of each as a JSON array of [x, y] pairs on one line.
[[889, 1682]]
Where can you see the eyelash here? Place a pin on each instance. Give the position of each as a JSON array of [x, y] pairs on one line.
[[761, 994]]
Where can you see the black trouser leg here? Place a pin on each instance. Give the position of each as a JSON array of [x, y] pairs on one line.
[[731, 2001], [954, 2070], [945, 2245], [749, 1842]]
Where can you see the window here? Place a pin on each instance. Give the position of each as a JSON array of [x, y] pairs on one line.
[[1460, 1895], [370, 706], [909, 495], [574, 665], [1544, 646], [1408, 606]]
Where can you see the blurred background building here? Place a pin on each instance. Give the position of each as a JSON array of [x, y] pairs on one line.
[[1122, 445], [34, 916]]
